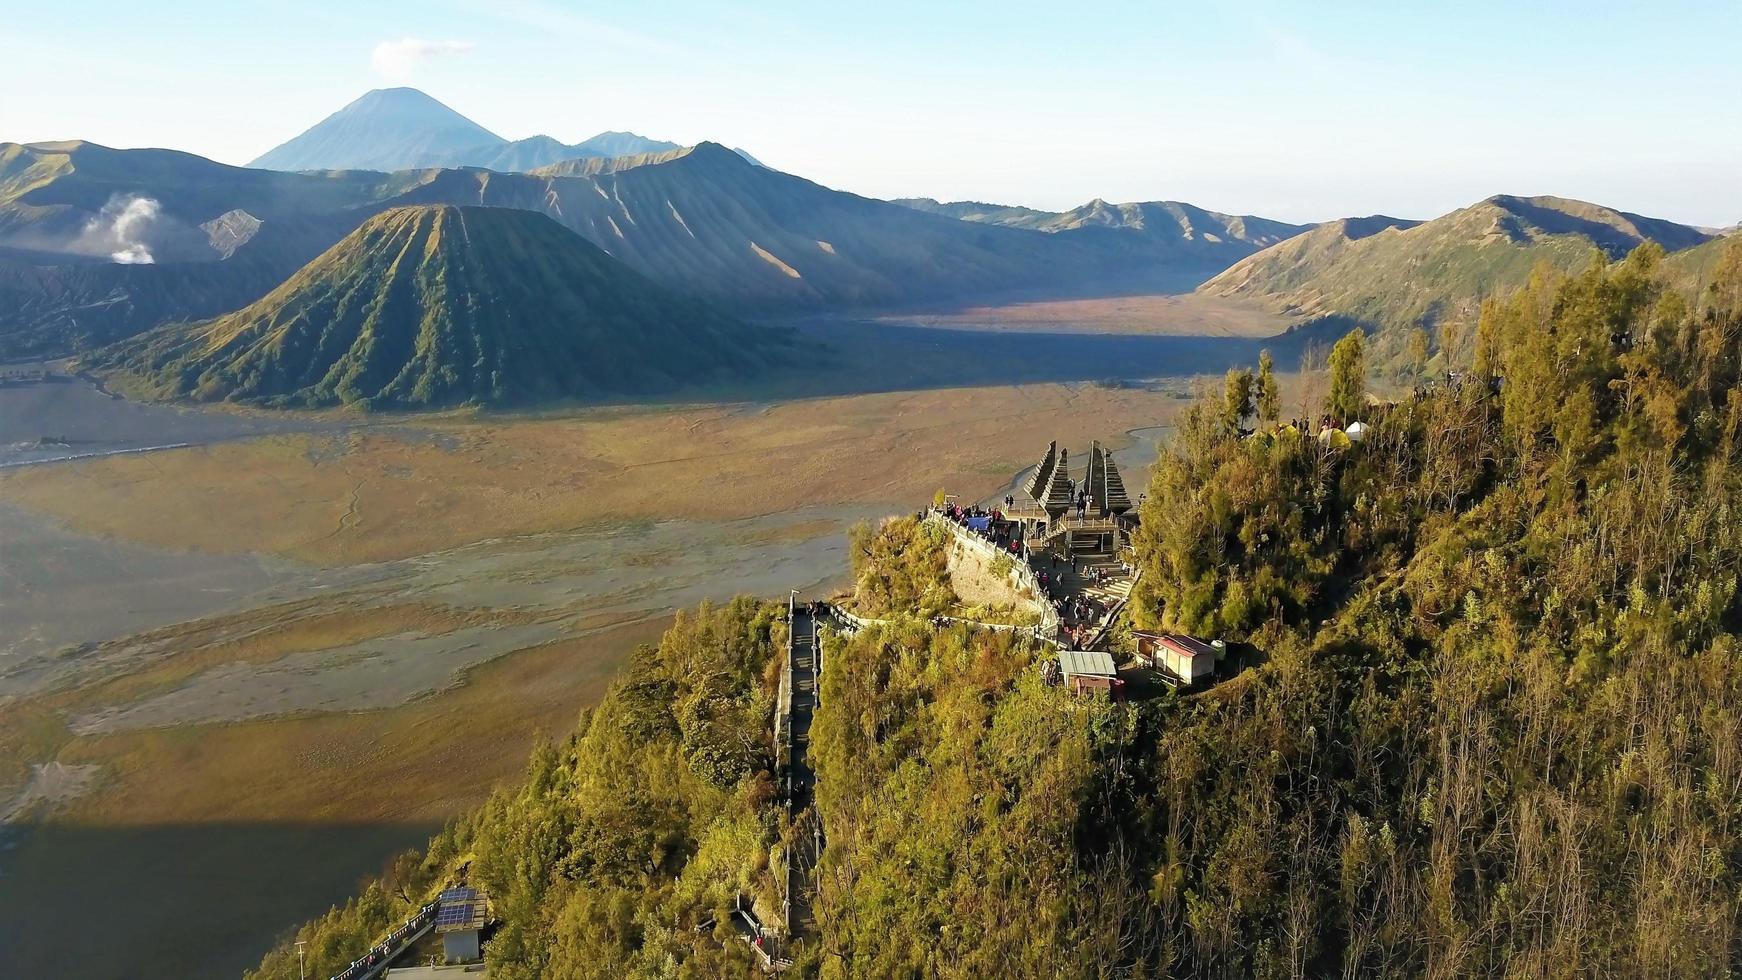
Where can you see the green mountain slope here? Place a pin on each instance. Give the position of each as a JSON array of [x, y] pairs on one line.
[[1396, 275], [1692, 269], [51, 192], [434, 306], [51, 307], [1167, 228], [703, 220]]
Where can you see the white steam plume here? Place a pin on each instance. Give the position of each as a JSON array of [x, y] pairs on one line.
[[121, 227]]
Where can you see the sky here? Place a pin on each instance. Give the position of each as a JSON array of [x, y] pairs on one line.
[[1299, 111]]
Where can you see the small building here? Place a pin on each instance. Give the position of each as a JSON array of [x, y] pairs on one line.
[[1186, 658], [460, 920], [1089, 670]]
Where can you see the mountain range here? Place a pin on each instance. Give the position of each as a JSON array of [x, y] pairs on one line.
[[1164, 226], [702, 220], [98, 244], [404, 129], [436, 306]]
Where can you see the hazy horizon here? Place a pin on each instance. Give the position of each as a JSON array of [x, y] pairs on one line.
[[1266, 109]]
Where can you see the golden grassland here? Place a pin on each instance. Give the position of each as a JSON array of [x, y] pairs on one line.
[[35, 728], [413, 762], [1169, 314], [377, 495]]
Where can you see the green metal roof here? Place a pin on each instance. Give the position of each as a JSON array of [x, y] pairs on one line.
[[1087, 663]]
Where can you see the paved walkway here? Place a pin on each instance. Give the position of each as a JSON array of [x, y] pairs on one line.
[[804, 704], [802, 779]]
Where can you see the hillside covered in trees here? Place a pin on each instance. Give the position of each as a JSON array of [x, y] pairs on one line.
[[1495, 727]]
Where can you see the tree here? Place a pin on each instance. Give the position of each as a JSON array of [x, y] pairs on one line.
[[1348, 398], [1269, 395], [1237, 398], [1419, 344]]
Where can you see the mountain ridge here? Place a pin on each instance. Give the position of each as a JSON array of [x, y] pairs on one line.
[[1395, 275], [1162, 226]]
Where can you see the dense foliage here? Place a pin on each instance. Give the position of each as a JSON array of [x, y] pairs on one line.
[[950, 781], [1501, 726], [900, 567]]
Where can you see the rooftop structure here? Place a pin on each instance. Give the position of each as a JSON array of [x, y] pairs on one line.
[[1042, 478], [1056, 496], [1089, 670], [1184, 657], [1106, 489]]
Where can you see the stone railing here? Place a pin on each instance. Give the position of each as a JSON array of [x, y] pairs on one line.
[[854, 624], [1022, 577]]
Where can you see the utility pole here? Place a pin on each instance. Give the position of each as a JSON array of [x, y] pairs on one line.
[[301, 973]]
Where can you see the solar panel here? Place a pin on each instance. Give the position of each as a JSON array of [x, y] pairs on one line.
[[459, 894], [455, 915]]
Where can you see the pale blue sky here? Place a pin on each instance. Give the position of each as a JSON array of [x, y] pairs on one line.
[[1293, 110]]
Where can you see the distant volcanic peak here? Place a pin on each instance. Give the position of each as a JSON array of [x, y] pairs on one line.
[[385, 129], [406, 102]]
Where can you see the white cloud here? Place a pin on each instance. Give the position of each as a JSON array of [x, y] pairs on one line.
[[556, 20], [398, 60]]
